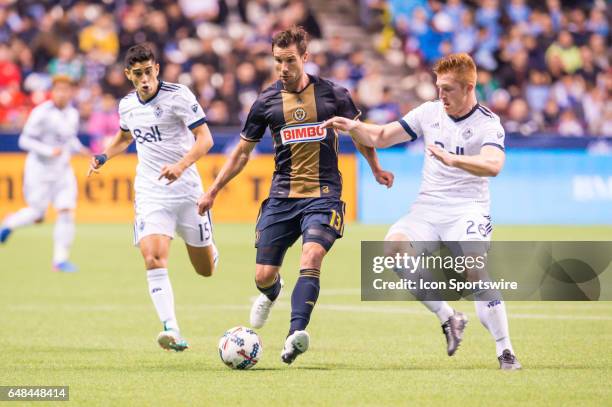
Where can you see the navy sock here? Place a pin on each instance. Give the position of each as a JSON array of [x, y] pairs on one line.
[[303, 299], [273, 291]]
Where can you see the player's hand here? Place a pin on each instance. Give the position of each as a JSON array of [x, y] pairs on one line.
[[205, 202], [95, 163], [57, 151], [384, 178], [441, 155], [340, 123], [171, 172]]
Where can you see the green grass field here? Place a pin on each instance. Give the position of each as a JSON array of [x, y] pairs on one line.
[[95, 332]]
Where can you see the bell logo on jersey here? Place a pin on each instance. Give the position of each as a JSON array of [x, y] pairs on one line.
[[302, 133], [151, 135]]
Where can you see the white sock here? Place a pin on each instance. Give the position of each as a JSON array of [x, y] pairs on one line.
[[63, 236], [440, 308], [493, 316], [23, 217], [162, 296]]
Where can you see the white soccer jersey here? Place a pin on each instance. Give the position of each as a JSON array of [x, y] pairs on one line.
[[161, 128], [466, 135], [47, 128]]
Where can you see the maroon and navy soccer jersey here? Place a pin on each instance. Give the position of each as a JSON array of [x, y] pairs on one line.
[[306, 155]]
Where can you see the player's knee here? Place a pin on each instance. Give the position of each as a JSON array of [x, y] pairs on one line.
[[265, 275], [312, 255], [39, 214], [65, 215], [397, 243], [154, 261]]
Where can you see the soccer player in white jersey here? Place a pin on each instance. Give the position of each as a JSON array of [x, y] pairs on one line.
[[169, 127], [50, 137], [465, 145]]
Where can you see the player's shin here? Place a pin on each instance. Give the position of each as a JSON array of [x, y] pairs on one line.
[[23, 217], [63, 236], [304, 298], [491, 311], [162, 296], [431, 299], [273, 290]]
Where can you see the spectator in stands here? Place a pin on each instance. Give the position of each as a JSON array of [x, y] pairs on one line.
[[103, 123], [569, 124], [66, 63], [519, 119], [565, 51], [101, 36]]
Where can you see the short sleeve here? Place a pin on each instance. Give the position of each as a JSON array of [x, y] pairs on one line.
[[494, 134], [187, 108], [122, 122], [256, 124], [412, 122], [346, 106]]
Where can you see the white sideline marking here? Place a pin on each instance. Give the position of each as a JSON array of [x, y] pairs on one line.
[[286, 306]]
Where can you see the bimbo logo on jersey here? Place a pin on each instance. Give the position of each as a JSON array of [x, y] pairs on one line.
[[302, 133]]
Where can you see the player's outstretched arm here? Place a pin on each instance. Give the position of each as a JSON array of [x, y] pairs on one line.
[[370, 135], [202, 145], [488, 163], [237, 160], [119, 144]]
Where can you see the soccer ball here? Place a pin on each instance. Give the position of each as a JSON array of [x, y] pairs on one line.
[[240, 348]]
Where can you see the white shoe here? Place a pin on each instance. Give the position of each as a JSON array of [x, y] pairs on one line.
[[261, 309], [295, 344]]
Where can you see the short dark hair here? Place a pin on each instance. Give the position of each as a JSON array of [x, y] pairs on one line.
[[294, 35], [139, 53]]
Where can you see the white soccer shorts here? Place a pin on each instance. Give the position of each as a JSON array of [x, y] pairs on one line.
[[428, 223], [39, 190], [166, 219]]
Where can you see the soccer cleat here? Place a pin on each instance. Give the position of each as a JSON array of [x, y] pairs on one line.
[[507, 361], [169, 339], [453, 330], [4, 234], [295, 345], [65, 267], [261, 309]]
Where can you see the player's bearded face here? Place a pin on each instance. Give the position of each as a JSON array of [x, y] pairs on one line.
[[143, 76], [289, 65], [454, 95]]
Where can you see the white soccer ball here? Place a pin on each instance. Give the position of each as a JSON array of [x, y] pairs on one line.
[[240, 348]]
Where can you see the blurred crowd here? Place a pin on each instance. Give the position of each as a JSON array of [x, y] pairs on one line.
[[219, 48], [544, 66]]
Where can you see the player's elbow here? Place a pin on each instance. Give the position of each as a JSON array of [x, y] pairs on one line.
[[494, 170], [22, 143]]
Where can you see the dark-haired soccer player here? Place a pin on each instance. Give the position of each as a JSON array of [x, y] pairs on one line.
[[306, 185], [171, 134]]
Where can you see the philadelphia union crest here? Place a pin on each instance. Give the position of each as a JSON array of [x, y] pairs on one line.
[[299, 114]]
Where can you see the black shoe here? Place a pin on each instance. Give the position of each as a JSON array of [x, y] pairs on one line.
[[507, 361], [453, 330]]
